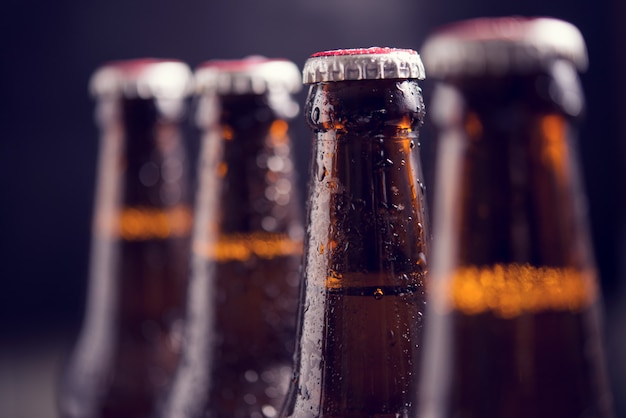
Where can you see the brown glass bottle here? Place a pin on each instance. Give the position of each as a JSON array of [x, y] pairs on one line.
[[128, 347], [514, 325], [247, 244], [362, 299]]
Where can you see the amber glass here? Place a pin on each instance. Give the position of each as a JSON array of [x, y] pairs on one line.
[[515, 327], [247, 249], [130, 340], [362, 299]]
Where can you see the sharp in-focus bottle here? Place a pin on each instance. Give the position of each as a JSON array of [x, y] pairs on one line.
[[514, 328], [363, 295], [129, 344], [247, 244]]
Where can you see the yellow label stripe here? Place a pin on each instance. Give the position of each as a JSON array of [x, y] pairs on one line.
[[143, 223], [509, 290], [240, 247]]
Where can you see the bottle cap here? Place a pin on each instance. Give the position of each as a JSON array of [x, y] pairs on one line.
[[142, 78], [501, 45], [251, 75], [373, 63]]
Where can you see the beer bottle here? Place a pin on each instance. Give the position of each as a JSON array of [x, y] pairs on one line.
[[513, 327], [128, 347], [246, 245], [362, 300]]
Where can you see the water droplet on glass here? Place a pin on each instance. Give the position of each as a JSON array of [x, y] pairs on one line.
[[249, 398], [412, 144], [322, 173], [269, 223], [172, 170], [421, 259], [149, 174], [378, 293], [332, 186], [251, 376], [268, 410], [276, 163], [316, 115]]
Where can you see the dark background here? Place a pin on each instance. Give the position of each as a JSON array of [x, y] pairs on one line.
[[48, 141]]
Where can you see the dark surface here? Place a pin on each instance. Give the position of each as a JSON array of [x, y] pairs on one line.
[[48, 141]]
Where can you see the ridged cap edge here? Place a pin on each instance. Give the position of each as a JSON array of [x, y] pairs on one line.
[[501, 45], [251, 75], [363, 64]]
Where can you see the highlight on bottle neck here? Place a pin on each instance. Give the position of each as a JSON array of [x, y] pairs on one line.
[[166, 82], [142, 78], [374, 63], [502, 45], [250, 75], [275, 78]]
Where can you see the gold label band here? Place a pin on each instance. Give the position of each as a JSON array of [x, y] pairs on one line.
[[144, 223], [509, 290], [240, 247]]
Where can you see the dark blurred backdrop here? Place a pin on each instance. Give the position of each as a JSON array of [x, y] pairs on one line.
[[48, 141]]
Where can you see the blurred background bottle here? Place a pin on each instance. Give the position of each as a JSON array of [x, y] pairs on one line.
[[129, 343], [247, 244], [514, 325], [366, 247]]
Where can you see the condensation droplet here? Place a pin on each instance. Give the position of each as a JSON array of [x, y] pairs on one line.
[[421, 259], [316, 115], [172, 170], [149, 174], [269, 223], [249, 398], [323, 172], [276, 163], [251, 376], [268, 410], [422, 187]]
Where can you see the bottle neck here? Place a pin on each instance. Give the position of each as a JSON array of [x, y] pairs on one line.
[[365, 255], [248, 204], [143, 171], [514, 292], [519, 194], [510, 197], [366, 203], [141, 225], [366, 107]]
